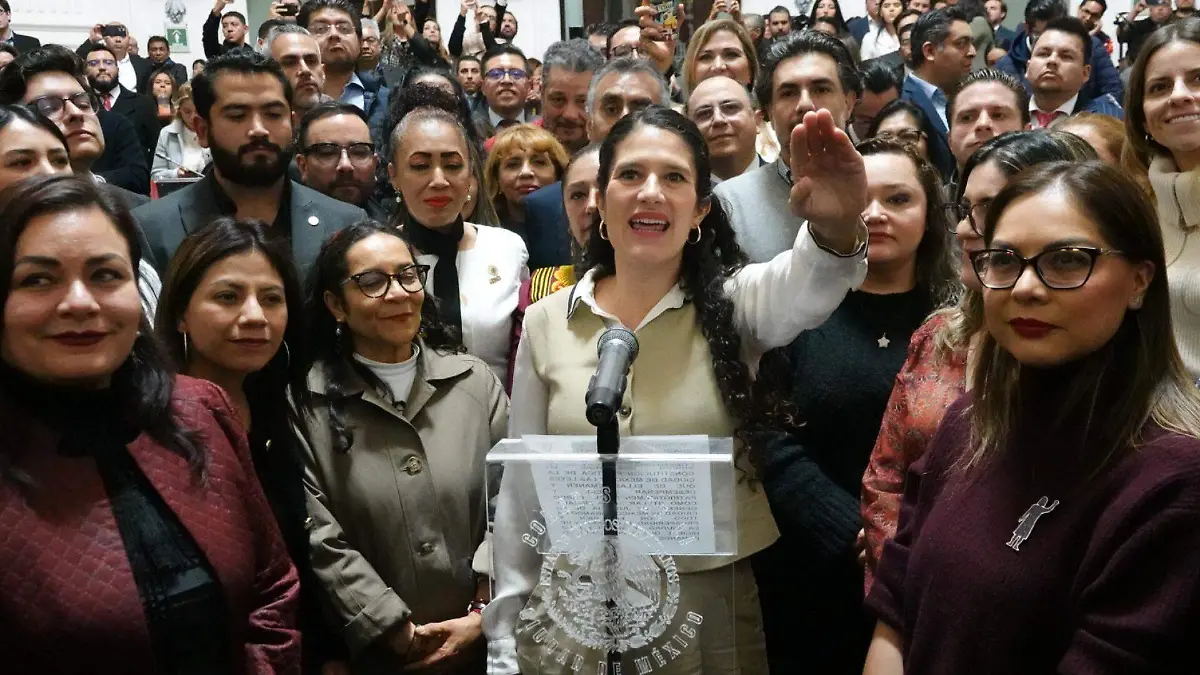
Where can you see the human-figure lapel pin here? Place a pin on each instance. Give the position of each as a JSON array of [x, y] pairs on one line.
[[1028, 521]]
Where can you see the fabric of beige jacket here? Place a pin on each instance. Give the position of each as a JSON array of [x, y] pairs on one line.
[[395, 521]]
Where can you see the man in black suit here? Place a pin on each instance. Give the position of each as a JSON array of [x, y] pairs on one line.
[[132, 70], [22, 43], [160, 59], [251, 152], [138, 109]]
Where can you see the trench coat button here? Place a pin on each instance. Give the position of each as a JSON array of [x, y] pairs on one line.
[[626, 411], [413, 466], [425, 549]]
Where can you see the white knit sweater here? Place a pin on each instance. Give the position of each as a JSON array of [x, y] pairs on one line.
[[1178, 197]]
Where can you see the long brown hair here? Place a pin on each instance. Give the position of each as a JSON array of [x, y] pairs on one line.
[[1138, 373], [1140, 147]]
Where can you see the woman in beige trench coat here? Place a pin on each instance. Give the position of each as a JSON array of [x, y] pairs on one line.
[[400, 425]]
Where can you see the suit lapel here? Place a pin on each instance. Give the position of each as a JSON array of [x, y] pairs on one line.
[[197, 209], [308, 227]]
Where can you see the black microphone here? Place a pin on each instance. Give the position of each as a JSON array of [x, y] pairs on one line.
[[618, 347]]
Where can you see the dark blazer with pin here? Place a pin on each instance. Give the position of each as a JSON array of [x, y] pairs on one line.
[[25, 43], [314, 218]]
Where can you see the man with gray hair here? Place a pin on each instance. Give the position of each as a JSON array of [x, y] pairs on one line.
[[618, 88], [297, 51], [566, 75], [372, 47], [622, 86]]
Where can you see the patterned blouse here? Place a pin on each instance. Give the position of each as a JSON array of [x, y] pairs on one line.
[[925, 388]]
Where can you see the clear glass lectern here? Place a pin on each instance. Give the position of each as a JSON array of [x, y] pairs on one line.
[[615, 564]]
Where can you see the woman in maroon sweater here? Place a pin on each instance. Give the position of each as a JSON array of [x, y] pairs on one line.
[[1054, 524], [134, 538]]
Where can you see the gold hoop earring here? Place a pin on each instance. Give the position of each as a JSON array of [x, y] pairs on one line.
[[699, 235], [603, 232]]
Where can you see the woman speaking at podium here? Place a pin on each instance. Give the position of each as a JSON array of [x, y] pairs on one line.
[[662, 261]]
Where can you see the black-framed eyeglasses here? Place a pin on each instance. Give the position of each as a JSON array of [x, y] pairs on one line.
[[974, 214], [497, 74], [331, 153], [1062, 268], [53, 106], [625, 50], [101, 62], [375, 283]]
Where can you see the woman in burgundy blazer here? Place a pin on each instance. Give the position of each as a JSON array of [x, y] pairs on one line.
[[134, 537]]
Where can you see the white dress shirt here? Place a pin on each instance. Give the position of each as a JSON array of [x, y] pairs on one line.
[[773, 302], [489, 284], [877, 42], [126, 74]]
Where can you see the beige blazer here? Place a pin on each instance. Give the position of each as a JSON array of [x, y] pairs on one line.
[[396, 520]]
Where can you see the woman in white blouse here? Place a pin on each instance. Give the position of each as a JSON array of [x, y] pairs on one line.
[[477, 270], [663, 261], [881, 36], [179, 154]]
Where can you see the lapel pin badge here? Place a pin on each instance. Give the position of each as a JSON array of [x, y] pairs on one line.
[[493, 274], [314, 221]]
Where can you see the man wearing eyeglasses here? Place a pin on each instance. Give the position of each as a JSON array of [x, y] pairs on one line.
[[115, 97], [133, 71], [721, 108], [53, 80], [337, 27], [505, 87], [337, 157], [243, 103]]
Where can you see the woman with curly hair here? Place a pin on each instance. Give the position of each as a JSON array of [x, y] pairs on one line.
[[662, 260], [400, 421], [523, 159]]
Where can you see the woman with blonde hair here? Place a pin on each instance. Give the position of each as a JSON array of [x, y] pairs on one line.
[[179, 153], [523, 159]]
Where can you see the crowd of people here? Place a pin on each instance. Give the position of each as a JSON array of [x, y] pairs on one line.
[[264, 318]]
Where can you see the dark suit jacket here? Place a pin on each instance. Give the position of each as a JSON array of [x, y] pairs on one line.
[[132, 200], [315, 218], [1104, 79], [859, 26], [1103, 104], [124, 161], [939, 144], [1005, 37], [25, 43], [547, 235], [178, 72], [143, 114]]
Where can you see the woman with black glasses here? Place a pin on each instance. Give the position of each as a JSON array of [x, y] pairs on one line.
[[1053, 524], [400, 423], [935, 373]]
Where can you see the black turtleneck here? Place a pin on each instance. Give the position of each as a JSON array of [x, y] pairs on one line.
[[442, 243], [180, 593]]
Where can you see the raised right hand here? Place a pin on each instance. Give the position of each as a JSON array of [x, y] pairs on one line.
[[96, 35]]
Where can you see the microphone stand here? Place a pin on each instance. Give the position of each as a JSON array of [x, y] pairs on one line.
[[608, 442]]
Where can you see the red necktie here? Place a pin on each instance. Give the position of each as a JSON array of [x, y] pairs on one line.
[[108, 101], [1045, 118]]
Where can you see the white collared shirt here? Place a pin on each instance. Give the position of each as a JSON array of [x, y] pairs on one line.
[[877, 42], [110, 98], [126, 75], [1066, 109], [929, 89]]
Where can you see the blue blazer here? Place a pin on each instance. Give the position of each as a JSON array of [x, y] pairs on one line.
[[1103, 104], [547, 235], [939, 144], [1004, 37]]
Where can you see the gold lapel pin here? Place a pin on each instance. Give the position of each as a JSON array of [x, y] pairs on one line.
[[493, 274]]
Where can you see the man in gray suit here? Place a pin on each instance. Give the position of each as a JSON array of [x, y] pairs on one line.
[[243, 100]]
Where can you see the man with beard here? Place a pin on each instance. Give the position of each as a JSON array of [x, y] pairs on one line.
[[293, 48], [337, 27], [243, 103], [132, 70], [336, 156], [505, 86], [114, 97], [508, 25]]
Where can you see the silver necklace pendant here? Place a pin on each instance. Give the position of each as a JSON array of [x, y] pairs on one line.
[[1028, 521], [883, 342]]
